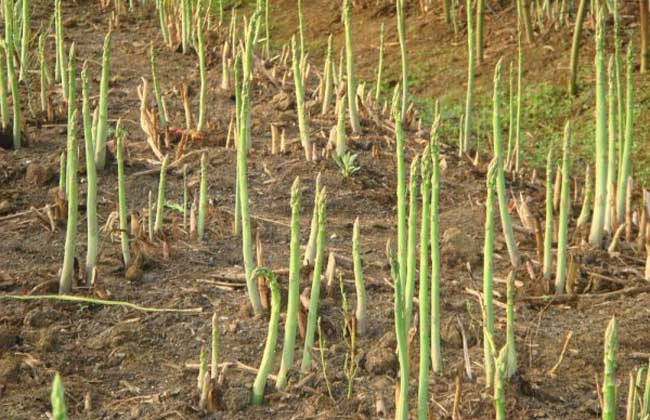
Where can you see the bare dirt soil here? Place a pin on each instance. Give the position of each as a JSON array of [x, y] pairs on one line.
[[124, 364]]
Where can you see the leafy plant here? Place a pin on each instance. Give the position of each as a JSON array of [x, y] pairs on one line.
[[347, 163]]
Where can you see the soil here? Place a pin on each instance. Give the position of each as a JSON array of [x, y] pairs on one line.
[[125, 364]]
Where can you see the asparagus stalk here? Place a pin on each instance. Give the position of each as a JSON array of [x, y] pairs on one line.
[[611, 149], [67, 271], [42, 78], [351, 84], [609, 380], [470, 79], [480, 18], [401, 199], [401, 410], [563, 223], [511, 356], [59, 70], [156, 90], [401, 31], [121, 196], [520, 71], [160, 201], [488, 257], [380, 63], [328, 82], [102, 121], [4, 108], [360, 314], [500, 374], [548, 222], [506, 222], [62, 175], [583, 218], [57, 398], [600, 202], [341, 145], [575, 47], [150, 215], [8, 47], [257, 397], [300, 102], [423, 296], [411, 240], [434, 238], [315, 285], [310, 249], [203, 89], [214, 348], [203, 198], [24, 44], [91, 175], [293, 298], [629, 132]]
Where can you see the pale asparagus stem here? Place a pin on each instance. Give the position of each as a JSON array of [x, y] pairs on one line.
[[520, 87], [257, 397], [4, 108], [511, 122], [583, 218], [121, 193], [91, 178], [470, 80], [328, 81], [161, 197], [500, 375], [8, 46], [624, 172], [214, 350], [620, 113], [24, 44], [506, 222], [156, 91], [548, 224], [237, 135], [67, 271], [300, 102], [563, 222], [401, 410], [57, 398], [423, 296], [630, 413], [575, 47], [62, 175], [225, 61], [203, 367], [511, 358], [480, 19], [349, 59], [102, 121], [609, 380], [150, 216], [411, 241], [600, 201], [488, 256], [293, 298], [314, 297], [401, 30], [72, 101], [557, 188], [203, 88], [267, 37], [401, 197], [380, 63], [185, 25], [628, 209], [310, 249], [434, 238], [360, 314], [59, 70], [341, 144], [43, 76], [203, 198], [301, 29], [610, 222]]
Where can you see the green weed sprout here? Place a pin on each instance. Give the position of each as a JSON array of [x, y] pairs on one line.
[[347, 164]]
